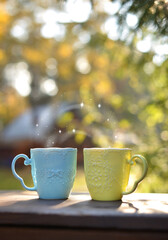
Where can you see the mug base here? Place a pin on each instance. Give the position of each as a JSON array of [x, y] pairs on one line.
[[54, 198], [106, 197], [106, 200]]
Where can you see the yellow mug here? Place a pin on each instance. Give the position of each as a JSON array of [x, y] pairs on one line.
[[107, 172]]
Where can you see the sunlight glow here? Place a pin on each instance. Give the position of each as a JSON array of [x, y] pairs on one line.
[[63, 17], [111, 7], [82, 105], [22, 86], [83, 65], [78, 10], [20, 29], [158, 59], [131, 20], [19, 32], [111, 28], [161, 49], [49, 87], [84, 37], [19, 77], [50, 16], [74, 11], [53, 30], [144, 45]]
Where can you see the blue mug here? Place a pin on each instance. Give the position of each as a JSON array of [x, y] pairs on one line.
[[53, 171]]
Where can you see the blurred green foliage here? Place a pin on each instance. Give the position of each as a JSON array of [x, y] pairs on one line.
[[122, 91], [150, 12]]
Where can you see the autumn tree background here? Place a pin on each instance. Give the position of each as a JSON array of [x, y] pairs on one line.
[[106, 58]]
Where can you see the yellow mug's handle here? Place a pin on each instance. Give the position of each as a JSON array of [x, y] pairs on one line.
[[144, 172]]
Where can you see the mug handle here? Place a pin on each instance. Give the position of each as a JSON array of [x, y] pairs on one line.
[[144, 172], [26, 162]]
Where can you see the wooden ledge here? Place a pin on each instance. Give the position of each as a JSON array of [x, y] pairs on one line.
[[135, 212]]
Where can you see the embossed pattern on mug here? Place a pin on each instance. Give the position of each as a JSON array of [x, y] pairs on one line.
[[102, 175], [104, 178], [52, 175]]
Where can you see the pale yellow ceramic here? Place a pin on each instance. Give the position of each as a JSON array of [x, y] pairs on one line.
[[107, 172]]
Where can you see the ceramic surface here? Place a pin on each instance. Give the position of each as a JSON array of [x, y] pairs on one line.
[[107, 172], [53, 171]]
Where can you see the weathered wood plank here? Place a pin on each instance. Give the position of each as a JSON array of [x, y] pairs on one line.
[[134, 212]]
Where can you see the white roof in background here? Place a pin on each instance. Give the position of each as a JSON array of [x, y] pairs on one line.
[[35, 124]]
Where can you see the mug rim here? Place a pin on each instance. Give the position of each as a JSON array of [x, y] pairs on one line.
[[52, 148], [116, 149]]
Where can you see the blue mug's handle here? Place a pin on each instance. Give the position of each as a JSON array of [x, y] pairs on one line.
[[26, 162]]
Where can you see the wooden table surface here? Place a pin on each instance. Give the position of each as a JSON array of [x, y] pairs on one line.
[[137, 216]]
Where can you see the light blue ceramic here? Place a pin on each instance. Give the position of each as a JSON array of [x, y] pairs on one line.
[[53, 171]]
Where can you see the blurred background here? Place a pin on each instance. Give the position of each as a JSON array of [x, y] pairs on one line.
[[84, 73]]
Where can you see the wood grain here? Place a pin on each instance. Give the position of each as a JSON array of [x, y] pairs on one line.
[[134, 212]]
